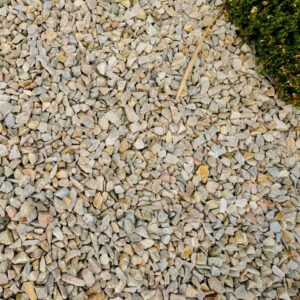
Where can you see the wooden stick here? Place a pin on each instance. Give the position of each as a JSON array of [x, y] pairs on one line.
[[195, 54]]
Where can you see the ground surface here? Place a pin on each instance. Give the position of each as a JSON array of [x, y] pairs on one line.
[[112, 189]]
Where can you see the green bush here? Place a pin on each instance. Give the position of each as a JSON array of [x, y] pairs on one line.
[[274, 28]]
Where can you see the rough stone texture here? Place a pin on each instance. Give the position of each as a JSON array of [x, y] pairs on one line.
[[112, 189]]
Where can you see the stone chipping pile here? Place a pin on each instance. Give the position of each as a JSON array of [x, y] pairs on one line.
[[110, 188]]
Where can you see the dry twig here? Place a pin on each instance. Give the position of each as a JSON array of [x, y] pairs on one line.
[[195, 54]]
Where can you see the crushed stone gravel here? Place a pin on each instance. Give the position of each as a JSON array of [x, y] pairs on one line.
[[110, 188]]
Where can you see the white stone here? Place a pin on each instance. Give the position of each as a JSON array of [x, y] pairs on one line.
[[104, 259], [58, 233], [205, 84], [277, 271], [70, 279], [102, 68], [6, 187], [91, 4], [20, 258], [32, 28], [223, 205], [5, 108], [3, 150], [112, 137], [131, 114], [212, 187], [147, 243], [14, 153], [113, 118], [6, 237], [237, 64], [88, 277], [139, 144], [171, 159], [3, 279]]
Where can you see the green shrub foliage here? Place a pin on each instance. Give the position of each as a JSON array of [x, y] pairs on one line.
[[274, 28]]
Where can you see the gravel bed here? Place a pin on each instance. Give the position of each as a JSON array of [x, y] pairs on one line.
[[110, 188]]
